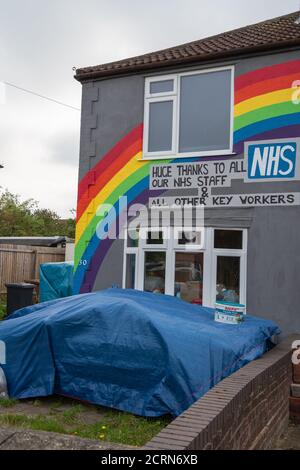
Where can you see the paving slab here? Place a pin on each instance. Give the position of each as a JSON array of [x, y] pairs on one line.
[[5, 434], [290, 440], [24, 439]]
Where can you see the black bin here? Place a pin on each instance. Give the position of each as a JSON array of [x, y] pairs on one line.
[[18, 296]]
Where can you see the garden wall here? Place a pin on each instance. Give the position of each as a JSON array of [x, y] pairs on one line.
[[248, 410]]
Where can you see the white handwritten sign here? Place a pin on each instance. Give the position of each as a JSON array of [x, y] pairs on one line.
[[272, 161]]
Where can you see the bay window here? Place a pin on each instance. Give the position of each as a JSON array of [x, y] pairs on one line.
[[197, 265]]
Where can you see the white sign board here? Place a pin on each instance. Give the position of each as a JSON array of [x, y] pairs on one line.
[[264, 162]]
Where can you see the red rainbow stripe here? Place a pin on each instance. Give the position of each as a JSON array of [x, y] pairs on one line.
[[113, 161], [266, 86], [267, 73]]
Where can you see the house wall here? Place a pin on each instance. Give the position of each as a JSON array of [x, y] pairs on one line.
[[110, 166]]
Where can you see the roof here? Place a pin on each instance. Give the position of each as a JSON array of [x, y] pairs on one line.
[[276, 33]]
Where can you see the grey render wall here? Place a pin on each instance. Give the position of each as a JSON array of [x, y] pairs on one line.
[[273, 271], [112, 107]]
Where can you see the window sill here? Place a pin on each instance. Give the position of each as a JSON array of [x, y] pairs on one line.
[[212, 155]]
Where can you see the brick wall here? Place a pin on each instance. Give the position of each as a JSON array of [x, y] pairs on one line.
[[248, 410]]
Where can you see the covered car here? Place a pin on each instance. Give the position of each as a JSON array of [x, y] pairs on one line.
[[144, 353]]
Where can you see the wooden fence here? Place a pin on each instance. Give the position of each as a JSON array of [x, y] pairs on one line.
[[19, 263]]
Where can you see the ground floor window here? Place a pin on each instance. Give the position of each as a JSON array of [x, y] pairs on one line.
[[188, 283], [155, 271], [199, 266]]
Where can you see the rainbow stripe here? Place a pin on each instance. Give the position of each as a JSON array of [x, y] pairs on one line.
[[263, 104], [263, 110], [119, 173]]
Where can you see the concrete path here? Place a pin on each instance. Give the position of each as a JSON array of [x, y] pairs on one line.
[[24, 439], [290, 440]]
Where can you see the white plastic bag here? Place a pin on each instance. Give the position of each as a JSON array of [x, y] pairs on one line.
[[3, 385]]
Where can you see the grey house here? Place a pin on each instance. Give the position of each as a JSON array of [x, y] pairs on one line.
[[211, 127]]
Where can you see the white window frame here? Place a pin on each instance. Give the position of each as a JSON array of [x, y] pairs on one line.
[[210, 255], [189, 246], [163, 78], [148, 102], [175, 97], [141, 267], [154, 246], [206, 272], [238, 253], [130, 251]]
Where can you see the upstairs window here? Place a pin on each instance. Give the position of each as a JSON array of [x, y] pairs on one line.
[[189, 114]]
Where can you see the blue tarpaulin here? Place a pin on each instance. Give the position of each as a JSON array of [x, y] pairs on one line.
[[135, 351], [56, 280]]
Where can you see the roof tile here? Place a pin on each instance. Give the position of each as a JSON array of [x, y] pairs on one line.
[[276, 33]]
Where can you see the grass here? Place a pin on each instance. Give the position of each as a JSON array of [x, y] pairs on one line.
[[7, 402], [124, 428], [112, 426]]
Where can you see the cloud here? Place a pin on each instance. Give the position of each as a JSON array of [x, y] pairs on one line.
[[63, 147]]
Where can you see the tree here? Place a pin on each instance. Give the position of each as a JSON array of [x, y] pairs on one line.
[[20, 219]]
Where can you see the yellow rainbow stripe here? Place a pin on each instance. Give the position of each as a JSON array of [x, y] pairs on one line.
[[268, 99], [101, 197]]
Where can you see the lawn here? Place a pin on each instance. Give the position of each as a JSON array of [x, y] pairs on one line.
[[65, 416]]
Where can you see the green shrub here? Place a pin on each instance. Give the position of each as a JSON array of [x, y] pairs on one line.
[[2, 309]]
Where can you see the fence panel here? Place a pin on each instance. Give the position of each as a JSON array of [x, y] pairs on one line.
[[21, 262]]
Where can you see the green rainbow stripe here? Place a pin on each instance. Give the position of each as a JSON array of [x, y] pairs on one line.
[[267, 112]]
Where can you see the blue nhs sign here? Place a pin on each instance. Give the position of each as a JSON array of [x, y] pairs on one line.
[[272, 160]]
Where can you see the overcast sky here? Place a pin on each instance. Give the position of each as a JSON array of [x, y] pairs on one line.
[[40, 42]]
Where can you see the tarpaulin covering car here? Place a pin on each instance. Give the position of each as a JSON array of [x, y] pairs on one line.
[[135, 351]]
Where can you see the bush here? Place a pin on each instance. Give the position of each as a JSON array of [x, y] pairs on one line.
[[26, 218], [2, 307]]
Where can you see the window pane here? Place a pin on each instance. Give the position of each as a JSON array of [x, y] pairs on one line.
[[133, 238], [231, 239], [130, 271], [163, 86], [160, 126], [189, 237], [189, 277], [155, 237], [228, 278], [155, 272], [205, 102]]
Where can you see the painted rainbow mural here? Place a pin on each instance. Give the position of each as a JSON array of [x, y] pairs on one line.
[[263, 110]]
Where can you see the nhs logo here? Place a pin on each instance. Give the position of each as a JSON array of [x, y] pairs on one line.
[[272, 160]]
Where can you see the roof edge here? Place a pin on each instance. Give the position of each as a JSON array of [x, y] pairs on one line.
[[184, 61]]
